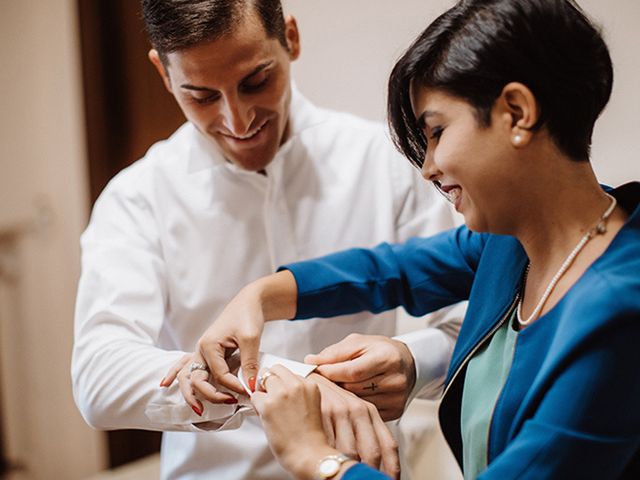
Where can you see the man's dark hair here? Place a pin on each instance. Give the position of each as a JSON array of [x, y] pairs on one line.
[[174, 25], [477, 47]]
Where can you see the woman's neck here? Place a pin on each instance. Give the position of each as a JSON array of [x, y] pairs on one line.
[[558, 218], [562, 205]]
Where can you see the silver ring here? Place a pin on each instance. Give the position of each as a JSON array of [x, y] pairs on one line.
[[198, 366], [263, 380]]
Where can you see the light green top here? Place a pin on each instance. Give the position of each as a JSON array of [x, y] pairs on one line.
[[487, 373]]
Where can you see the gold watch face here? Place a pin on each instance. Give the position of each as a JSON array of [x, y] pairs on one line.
[[329, 467]]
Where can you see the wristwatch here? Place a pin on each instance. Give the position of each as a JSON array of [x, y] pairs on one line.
[[329, 466]]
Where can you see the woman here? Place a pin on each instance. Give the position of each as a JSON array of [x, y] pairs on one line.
[[496, 103]]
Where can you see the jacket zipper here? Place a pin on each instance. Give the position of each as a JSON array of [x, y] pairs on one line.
[[493, 410], [478, 345]]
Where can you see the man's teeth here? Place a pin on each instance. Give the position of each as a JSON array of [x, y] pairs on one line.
[[250, 134]]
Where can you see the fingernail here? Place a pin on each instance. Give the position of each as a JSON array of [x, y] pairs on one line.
[[231, 401], [252, 384], [197, 410], [162, 382]]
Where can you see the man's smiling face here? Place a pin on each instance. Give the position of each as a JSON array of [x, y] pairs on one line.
[[236, 90]]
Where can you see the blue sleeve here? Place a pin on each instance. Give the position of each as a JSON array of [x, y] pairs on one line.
[[587, 424], [360, 471], [421, 275]]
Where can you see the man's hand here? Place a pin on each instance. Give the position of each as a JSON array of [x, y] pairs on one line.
[[186, 378], [355, 428], [378, 369]]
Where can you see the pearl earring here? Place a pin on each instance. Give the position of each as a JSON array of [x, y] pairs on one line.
[[517, 139]]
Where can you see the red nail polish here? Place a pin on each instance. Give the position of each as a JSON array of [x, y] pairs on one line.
[[252, 384], [197, 410], [162, 382], [231, 401]]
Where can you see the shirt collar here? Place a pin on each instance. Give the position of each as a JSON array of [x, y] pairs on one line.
[[303, 114]]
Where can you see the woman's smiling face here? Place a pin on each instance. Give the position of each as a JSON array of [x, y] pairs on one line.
[[471, 164]]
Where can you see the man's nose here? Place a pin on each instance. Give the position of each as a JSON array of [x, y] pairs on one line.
[[430, 171], [237, 115]]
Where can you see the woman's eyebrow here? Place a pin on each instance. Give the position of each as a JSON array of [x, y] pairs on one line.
[[422, 119]]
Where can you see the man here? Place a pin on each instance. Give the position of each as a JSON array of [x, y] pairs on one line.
[[256, 178]]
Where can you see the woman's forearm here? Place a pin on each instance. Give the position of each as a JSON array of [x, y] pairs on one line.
[[277, 294]]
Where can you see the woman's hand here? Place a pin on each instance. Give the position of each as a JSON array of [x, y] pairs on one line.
[[354, 427], [239, 326], [351, 425], [377, 369], [290, 410]]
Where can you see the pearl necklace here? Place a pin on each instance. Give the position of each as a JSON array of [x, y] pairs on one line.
[[599, 229]]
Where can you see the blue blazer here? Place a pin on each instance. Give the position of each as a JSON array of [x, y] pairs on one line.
[[570, 407]]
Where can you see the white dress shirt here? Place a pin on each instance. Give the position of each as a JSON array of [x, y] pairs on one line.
[[176, 235]]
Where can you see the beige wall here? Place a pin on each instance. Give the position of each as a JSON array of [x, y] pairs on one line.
[[349, 46], [43, 207]]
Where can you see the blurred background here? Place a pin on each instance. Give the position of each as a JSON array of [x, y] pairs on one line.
[[79, 101]]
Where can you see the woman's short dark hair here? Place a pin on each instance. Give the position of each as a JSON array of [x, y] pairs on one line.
[[477, 47], [174, 25]]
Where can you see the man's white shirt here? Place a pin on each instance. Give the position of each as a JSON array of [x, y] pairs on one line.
[[176, 235]]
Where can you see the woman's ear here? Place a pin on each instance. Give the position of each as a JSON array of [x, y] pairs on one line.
[[521, 110]]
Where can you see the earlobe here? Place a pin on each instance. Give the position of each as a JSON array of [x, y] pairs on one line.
[[522, 110], [517, 139], [154, 58], [520, 137], [293, 37]]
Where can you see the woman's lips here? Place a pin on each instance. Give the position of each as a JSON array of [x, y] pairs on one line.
[[451, 192]]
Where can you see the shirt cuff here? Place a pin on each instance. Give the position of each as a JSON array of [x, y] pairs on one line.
[[431, 349], [169, 408], [266, 361]]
